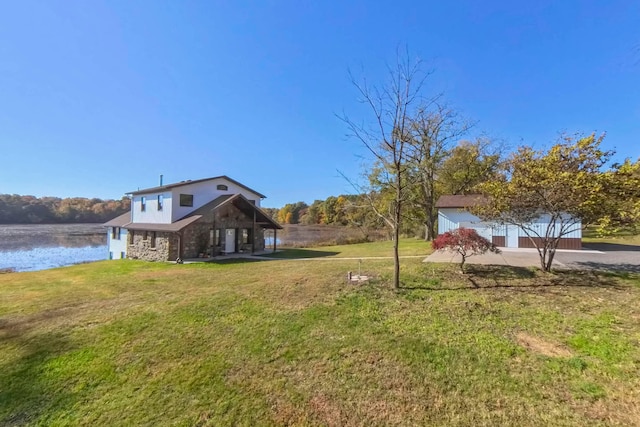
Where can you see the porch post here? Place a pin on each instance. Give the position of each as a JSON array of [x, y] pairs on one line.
[[253, 234], [275, 238]]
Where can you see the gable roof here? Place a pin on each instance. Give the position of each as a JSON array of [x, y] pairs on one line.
[[190, 181], [460, 200], [238, 200]]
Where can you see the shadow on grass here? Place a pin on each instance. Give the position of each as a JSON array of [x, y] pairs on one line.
[[611, 267], [300, 253], [30, 388], [517, 278], [234, 261]]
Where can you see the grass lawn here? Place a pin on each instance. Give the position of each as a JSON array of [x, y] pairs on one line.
[[624, 237], [408, 247], [284, 342]]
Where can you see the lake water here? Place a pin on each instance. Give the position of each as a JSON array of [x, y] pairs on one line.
[[39, 247]]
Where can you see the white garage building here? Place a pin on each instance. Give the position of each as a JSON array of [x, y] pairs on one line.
[[453, 213]]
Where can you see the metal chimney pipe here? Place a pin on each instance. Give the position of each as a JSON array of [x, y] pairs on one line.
[[160, 180]]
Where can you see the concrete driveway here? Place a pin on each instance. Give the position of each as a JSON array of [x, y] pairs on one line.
[[601, 256]]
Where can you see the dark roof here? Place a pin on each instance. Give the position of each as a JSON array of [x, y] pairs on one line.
[[238, 200], [460, 201], [119, 221], [188, 182]]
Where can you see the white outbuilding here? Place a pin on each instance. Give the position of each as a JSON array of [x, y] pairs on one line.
[[453, 212]]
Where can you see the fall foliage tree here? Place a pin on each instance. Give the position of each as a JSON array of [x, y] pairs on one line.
[[468, 165], [566, 186], [465, 242]]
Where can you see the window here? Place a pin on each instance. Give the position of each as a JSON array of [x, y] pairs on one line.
[[153, 239], [143, 204], [222, 187], [160, 200], [186, 200], [246, 236], [115, 233]]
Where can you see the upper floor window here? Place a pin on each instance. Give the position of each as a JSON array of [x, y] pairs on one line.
[[186, 200], [143, 204], [222, 187], [160, 200]]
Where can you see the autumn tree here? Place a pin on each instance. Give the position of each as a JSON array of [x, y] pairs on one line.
[[622, 208], [465, 242], [468, 165], [565, 186], [387, 137]]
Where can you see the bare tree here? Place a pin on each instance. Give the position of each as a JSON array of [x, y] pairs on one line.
[[388, 137], [435, 128]]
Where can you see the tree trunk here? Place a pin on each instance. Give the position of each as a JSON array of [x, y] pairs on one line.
[[396, 259], [396, 240], [550, 256], [543, 259]]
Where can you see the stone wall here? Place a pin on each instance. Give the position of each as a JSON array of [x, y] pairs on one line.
[[196, 239], [166, 246]]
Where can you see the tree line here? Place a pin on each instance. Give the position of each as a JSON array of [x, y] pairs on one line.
[[17, 209]]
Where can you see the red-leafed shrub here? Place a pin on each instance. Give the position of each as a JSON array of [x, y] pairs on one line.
[[464, 241]]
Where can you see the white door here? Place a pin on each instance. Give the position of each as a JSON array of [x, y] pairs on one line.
[[512, 236], [230, 240]]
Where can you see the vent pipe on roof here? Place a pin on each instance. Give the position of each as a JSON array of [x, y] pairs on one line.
[[160, 180]]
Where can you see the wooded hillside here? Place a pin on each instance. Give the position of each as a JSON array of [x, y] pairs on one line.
[[16, 209]]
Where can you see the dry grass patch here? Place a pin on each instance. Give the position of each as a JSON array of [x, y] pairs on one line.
[[540, 346]]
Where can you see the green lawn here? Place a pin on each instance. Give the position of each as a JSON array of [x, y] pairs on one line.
[[288, 342], [624, 237], [407, 247]]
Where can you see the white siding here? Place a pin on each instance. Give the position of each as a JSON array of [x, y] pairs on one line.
[[151, 214], [204, 192], [452, 218], [541, 224], [117, 246]]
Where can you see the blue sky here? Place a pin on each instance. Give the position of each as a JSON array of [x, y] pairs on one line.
[[98, 98]]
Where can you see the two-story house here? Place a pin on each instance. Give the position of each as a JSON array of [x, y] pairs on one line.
[[189, 219]]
